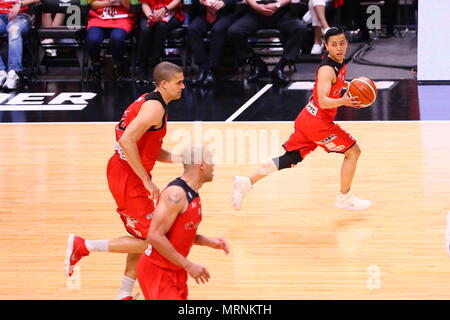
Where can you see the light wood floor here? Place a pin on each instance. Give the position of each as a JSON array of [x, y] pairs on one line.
[[287, 242]]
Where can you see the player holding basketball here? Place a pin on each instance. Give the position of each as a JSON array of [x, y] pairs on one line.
[[314, 126], [163, 270], [139, 136]]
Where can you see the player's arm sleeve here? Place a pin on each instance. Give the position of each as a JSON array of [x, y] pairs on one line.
[[149, 115], [171, 203], [325, 77]]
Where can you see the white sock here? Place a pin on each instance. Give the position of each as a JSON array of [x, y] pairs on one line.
[[97, 245], [345, 195], [126, 288]]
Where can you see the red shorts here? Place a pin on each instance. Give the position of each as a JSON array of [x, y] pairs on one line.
[[161, 284], [133, 204], [311, 132]]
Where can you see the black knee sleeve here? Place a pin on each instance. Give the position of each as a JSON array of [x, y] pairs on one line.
[[287, 160]]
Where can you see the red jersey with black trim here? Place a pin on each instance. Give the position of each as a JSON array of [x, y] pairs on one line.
[[313, 107], [184, 229], [149, 145]]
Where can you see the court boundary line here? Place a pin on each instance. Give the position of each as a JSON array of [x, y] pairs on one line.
[[249, 102]]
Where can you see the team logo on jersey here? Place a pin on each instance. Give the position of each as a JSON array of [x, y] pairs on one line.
[[148, 251], [336, 92], [191, 225], [327, 139], [338, 148], [312, 109], [120, 151]]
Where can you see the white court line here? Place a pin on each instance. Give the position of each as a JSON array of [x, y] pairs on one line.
[[249, 103]]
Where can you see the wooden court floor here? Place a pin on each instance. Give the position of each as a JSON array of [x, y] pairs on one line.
[[287, 242]]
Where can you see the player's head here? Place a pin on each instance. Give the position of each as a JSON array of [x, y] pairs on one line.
[[198, 160], [336, 43], [169, 77]]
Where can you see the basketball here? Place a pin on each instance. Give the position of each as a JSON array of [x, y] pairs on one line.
[[364, 89]]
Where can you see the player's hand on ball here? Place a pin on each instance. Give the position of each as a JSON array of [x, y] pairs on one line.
[[349, 101], [152, 189], [220, 243], [198, 272]]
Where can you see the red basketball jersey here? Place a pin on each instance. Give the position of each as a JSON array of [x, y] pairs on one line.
[[183, 230], [313, 106], [149, 145]]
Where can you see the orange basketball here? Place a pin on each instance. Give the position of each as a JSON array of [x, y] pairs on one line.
[[364, 89]]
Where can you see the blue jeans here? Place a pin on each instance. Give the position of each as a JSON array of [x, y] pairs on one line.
[[95, 37], [15, 29]]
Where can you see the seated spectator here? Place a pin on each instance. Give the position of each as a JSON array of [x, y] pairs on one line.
[[354, 11], [14, 20], [50, 19], [267, 15], [319, 22], [109, 18], [158, 19], [216, 16]]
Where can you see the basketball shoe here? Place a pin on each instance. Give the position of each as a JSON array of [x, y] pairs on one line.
[[241, 186], [76, 249], [131, 297], [351, 202]]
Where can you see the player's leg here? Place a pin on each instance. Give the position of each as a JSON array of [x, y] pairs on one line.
[[78, 247], [346, 199], [297, 147], [348, 168], [334, 139], [135, 210], [129, 277]]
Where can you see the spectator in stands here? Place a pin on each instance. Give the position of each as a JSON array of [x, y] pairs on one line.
[[51, 19], [158, 19], [316, 16], [267, 15], [354, 11], [15, 20], [390, 11], [109, 18], [217, 16]]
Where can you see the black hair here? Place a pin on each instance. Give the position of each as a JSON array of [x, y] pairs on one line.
[[334, 31]]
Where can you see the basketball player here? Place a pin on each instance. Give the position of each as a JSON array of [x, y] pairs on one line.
[[139, 136], [315, 126], [163, 269]]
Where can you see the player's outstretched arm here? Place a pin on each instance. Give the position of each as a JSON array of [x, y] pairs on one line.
[[325, 78], [168, 157], [149, 115], [171, 203], [215, 243]]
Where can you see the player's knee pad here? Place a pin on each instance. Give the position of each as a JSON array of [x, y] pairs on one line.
[[288, 160]]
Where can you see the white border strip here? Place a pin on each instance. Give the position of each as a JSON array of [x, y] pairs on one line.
[[239, 122], [249, 103]]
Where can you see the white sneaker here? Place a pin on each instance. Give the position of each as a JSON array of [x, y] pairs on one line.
[[316, 49], [3, 76], [447, 235], [351, 202], [241, 185], [12, 80]]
